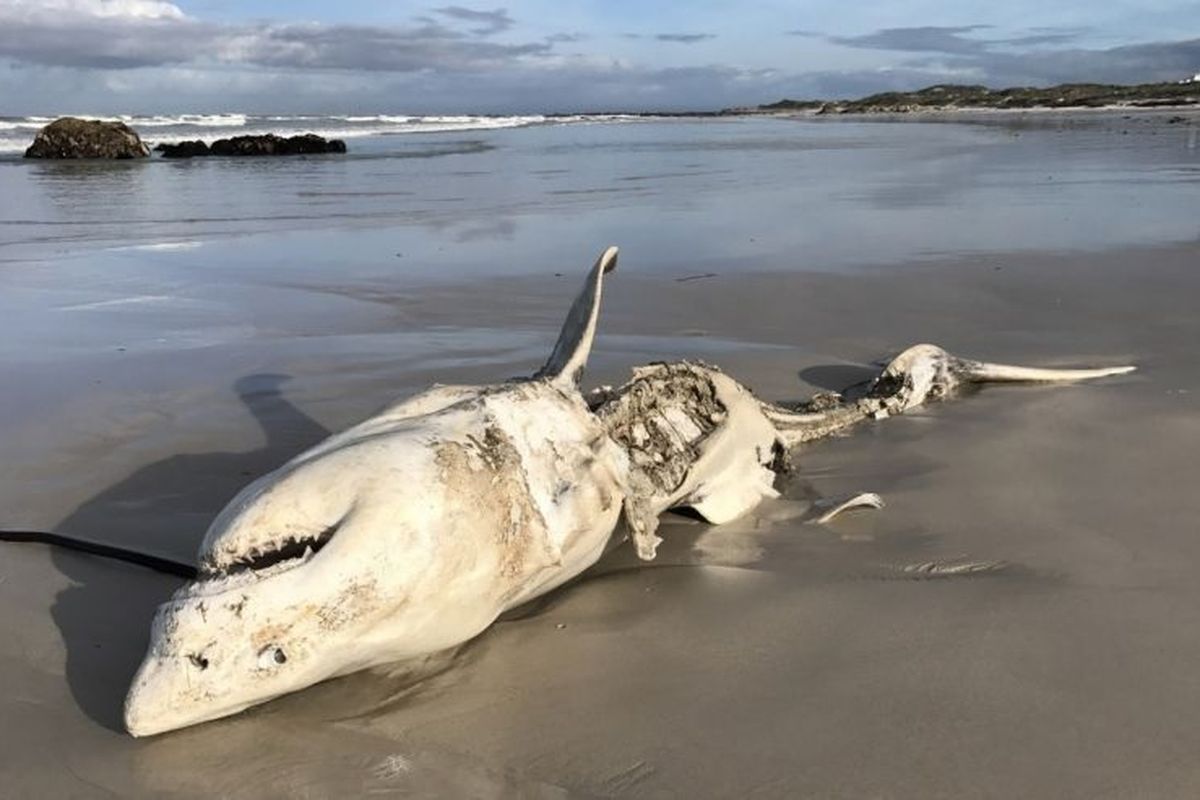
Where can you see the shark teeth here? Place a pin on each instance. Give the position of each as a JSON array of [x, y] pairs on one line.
[[293, 547], [270, 559], [216, 583]]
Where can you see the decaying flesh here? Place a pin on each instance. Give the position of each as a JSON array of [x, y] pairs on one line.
[[411, 532], [698, 439], [695, 438]]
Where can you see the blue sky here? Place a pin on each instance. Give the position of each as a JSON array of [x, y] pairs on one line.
[[110, 56]]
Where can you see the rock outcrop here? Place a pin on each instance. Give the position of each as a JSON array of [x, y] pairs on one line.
[[259, 145], [70, 137], [182, 149], [272, 145]]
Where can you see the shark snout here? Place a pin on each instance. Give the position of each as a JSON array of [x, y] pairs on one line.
[[184, 677], [222, 645], [144, 715], [174, 687]]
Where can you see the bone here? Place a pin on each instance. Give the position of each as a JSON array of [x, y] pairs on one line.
[[862, 500], [921, 374], [985, 373], [931, 570]]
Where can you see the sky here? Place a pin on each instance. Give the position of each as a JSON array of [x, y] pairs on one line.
[[533, 56]]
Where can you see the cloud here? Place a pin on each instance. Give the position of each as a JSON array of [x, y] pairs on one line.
[[558, 84], [924, 39], [939, 39], [128, 34], [571, 86], [1042, 38], [1020, 60], [1141, 63], [369, 49], [148, 56], [943, 39], [684, 38], [496, 21], [128, 9]]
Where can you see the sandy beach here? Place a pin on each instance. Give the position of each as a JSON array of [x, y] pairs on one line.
[[150, 378]]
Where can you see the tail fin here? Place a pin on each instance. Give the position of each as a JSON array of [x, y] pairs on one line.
[[979, 371], [579, 330]]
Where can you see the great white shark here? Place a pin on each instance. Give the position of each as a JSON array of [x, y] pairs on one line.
[[411, 532]]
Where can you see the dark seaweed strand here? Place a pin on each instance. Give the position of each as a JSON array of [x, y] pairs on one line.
[[156, 563]]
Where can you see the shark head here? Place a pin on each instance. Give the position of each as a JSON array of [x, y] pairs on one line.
[[394, 540], [926, 373], [922, 373], [296, 577]]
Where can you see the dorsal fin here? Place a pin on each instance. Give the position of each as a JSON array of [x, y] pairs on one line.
[[575, 341]]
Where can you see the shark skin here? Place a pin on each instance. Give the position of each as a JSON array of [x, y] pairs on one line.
[[411, 532]]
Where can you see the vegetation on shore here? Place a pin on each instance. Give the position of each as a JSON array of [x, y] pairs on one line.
[[945, 97]]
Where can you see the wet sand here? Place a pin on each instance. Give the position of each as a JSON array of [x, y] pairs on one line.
[[765, 658]]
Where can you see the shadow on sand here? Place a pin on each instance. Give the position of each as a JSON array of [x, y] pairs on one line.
[[837, 377], [163, 508]]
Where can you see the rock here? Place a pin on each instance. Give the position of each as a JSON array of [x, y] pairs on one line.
[[311, 143], [86, 138], [272, 145], [183, 149], [246, 146]]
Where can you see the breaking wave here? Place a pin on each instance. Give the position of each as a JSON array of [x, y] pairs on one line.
[[17, 133]]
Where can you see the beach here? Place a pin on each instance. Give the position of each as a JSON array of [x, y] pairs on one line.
[[169, 331]]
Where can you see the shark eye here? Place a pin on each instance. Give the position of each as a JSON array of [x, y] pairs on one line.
[[271, 656]]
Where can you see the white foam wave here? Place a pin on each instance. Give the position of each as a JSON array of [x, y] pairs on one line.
[[16, 133], [197, 120], [13, 144]]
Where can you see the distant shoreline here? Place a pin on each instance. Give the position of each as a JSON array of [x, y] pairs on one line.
[[927, 112], [963, 97], [959, 97]]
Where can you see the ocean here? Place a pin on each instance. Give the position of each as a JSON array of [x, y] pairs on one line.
[[450, 194]]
